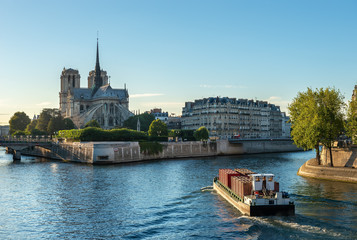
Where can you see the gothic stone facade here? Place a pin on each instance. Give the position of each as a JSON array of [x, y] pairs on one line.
[[99, 101], [228, 117]]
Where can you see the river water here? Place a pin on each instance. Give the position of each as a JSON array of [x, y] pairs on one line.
[[42, 199]]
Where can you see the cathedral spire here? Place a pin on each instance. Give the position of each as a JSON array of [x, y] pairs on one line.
[[98, 81], [97, 66]]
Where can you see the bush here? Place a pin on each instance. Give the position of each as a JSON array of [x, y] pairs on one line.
[[93, 134], [73, 134], [98, 134], [125, 134]]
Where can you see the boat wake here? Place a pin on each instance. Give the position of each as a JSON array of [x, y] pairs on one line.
[[300, 226], [207, 189]]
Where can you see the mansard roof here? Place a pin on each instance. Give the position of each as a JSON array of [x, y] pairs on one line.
[[105, 91]]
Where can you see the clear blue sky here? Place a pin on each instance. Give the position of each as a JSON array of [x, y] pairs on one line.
[[170, 52]]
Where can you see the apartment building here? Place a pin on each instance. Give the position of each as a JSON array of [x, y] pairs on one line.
[[230, 117]]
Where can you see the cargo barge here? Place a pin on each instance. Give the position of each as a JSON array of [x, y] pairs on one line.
[[253, 194]]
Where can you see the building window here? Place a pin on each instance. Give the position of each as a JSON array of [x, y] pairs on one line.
[[111, 108], [74, 82], [81, 108], [111, 122]]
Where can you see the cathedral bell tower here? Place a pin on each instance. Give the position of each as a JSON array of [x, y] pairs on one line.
[[70, 79]]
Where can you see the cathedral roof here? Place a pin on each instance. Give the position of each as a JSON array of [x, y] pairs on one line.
[[105, 91]]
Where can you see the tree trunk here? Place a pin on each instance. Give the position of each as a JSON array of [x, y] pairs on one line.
[[317, 149], [330, 148]]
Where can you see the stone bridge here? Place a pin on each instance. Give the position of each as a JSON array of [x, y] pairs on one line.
[[19, 144]]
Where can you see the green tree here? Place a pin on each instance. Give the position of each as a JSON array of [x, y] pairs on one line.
[[55, 124], [19, 133], [157, 128], [201, 134], [145, 121], [351, 123], [18, 122], [46, 115], [316, 118], [36, 132], [187, 135], [31, 126], [331, 106], [92, 123], [68, 124]]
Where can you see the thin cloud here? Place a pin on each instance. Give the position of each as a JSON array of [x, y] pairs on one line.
[[220, 86], [274, 98], [43, 104], [141, 95], [171, 104], [283, 104]]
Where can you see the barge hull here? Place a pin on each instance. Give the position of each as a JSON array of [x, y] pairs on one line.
[[263, 210]]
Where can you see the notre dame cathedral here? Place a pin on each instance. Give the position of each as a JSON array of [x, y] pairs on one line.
[[99, 101]]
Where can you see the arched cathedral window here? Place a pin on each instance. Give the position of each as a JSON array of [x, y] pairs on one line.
[[111, 108]]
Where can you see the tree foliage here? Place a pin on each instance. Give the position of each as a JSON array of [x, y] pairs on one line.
[[19, 133], [68, 124], [18, 122], [45, 117], [31, 126], [351, 123], [55, 124], [145, 121], [157, 128], [201, 134], [92, 123], [36, 132], [316, 118]]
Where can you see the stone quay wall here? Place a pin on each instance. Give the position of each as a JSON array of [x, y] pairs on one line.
[[121, 152], [312, 170], [251, 146], [341, 157]]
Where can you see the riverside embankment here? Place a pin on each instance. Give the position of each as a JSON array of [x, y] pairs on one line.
[[121, 152], [344, 165]]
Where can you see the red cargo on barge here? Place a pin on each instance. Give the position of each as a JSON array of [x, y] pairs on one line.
[[253, 194]]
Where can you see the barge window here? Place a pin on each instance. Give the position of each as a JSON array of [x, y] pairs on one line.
[[257, 179], [270, 179]]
